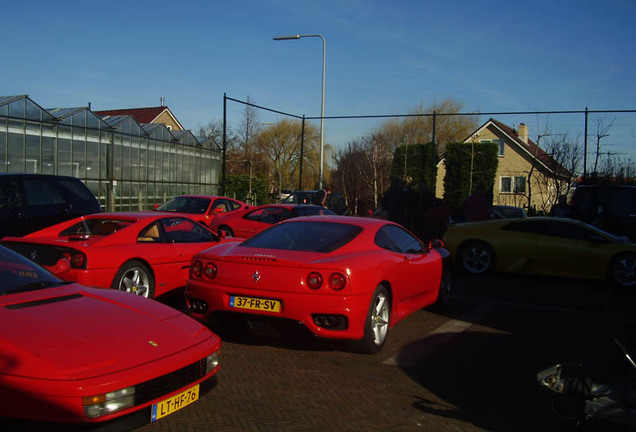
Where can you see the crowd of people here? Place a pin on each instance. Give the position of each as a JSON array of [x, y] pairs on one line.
[[416, 208]]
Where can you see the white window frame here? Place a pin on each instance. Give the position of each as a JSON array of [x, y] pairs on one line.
[[513, 185]]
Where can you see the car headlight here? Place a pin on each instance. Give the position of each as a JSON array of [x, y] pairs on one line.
[[211, 362], [108, 403]]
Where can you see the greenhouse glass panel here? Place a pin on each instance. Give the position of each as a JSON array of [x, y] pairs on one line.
[[32, 157], [64, 161], [135, 166], [15, 161], [92, 160]]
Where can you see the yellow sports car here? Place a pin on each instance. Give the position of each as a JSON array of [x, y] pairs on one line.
[[542, 246]]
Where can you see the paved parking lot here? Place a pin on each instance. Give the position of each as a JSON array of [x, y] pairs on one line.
[[469, 369]]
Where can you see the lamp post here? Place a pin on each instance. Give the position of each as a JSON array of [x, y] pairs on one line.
[[322, 103]]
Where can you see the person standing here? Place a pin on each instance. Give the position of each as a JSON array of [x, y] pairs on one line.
[[476, 207], [321, 196]]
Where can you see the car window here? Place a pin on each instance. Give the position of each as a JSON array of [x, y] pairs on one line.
[[312, 210], [10, 195], [305, 236], [530, 227], [396, 239], [255, 215], [273, 215], [40, 192], [182, 230], [19, 274], [566, 230], [96, 226], [220, 206], [233, 205]]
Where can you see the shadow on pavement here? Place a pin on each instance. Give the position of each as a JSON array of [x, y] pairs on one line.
[[490, 378]]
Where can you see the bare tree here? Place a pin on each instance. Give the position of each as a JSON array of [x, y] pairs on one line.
[[249, 128], [602, 131]]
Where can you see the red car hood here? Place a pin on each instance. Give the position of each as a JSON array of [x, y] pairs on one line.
[[76, 332]]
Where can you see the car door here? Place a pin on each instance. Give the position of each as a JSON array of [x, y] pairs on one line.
[[180, 239], [569, 249], [43, 204], [12, 218], [416, 272]]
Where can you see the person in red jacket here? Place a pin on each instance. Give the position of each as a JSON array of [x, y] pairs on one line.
[[476, 207]]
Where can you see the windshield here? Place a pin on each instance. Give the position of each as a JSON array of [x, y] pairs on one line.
[[96, 226], [305, 236], [191, 205], [19, 274]]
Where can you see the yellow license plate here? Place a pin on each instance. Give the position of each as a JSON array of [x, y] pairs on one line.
[[255, 303], [175, 403]]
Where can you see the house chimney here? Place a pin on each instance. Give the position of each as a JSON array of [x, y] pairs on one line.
[[523, 133], [163, 100]]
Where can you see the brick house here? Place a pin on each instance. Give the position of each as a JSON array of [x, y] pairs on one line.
[[150, 115], [526, 174]]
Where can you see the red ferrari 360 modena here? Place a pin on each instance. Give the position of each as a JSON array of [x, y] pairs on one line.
[[75, 357], [147, 254], [342, 277]]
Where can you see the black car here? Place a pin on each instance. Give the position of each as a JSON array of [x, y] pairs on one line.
[[610, 207], [335, 201], [29, 202]]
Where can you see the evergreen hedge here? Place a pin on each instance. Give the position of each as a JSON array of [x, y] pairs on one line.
[[421, 163]]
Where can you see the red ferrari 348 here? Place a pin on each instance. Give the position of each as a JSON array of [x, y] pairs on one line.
[[147, 254], [83, 357], [342, 277]]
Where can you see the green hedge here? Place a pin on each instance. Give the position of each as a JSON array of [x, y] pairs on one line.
[[457, 183], [421, 163], [237, 186]]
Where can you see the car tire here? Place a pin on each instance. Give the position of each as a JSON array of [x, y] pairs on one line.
[[444, 292], [135, 277], [476, 257], [225, 231], [376, 326], [622, 270]]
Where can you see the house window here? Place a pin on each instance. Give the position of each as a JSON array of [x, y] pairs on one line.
[[499, 142], [516, 185]]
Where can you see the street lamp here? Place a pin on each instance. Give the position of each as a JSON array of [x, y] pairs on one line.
[[322, 103]]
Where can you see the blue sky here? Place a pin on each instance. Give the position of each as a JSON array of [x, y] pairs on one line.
[[382, 58]]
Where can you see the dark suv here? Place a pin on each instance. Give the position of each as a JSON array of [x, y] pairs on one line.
[[29, 202], [610, 207], [335, 201]]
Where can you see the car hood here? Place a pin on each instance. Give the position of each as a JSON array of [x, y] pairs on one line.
[[76, 332]]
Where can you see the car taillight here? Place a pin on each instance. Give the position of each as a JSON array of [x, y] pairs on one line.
[[195, 269], [209, 270], [337, 281], [77, 259], [314, 280]]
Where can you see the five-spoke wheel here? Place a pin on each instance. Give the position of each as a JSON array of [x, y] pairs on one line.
[[135, 277]]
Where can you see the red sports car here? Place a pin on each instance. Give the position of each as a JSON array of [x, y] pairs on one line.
[[247, 222], [146, 254], [342, 277], [202, 208], [74, 356]]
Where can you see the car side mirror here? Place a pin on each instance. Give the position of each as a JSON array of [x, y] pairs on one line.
[[435, 244]]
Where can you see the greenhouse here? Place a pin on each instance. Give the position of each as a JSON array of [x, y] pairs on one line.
[[127, 165]]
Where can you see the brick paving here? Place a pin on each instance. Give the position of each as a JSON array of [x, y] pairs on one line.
[[478, 375]]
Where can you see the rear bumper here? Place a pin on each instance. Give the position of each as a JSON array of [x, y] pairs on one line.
[[300, 307]]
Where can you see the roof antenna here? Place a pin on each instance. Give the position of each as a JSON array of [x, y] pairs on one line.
[[163, 100]]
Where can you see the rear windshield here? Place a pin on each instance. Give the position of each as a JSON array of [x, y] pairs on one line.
[[312, 210], [102, 227], [306, 236], [19, 274], [191, 205]]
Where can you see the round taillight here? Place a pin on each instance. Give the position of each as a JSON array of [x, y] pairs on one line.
[[337, 281], [314, 280], [209, 270], [78, 260], [195, 269]]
